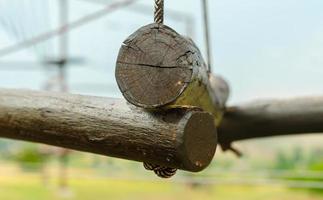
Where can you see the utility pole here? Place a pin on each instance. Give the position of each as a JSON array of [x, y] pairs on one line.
[[62, 81]]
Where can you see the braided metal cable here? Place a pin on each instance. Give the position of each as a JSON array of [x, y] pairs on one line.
[[162, 172], [159, 11]]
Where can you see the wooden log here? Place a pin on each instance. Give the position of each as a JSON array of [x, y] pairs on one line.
[[158, 68], [179, 138], [272, 118]]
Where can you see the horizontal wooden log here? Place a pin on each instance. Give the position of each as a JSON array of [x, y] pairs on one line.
[[179, 138], [272, 118], [158, 68]]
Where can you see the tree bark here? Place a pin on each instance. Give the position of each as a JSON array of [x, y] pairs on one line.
[[272, 118], [178, 138], [158, 68]]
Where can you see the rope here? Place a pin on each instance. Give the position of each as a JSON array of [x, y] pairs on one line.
[[162, 172], [159, 11]]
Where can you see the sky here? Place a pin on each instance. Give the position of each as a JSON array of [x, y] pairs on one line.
[[263, 48]]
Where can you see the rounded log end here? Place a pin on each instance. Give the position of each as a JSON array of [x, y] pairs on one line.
[[199, 142], [220, 88], [155, 65]]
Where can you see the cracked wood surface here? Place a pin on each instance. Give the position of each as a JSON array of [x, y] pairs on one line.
[[158, 68], [180, 138]]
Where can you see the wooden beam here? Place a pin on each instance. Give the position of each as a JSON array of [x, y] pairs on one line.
[[179, 138], [159, 69], [272, 118]]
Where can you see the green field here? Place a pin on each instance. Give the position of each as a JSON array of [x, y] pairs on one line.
[[25, 186], [288, 174]]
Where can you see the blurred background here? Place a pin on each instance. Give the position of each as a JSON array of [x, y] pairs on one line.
[[265, 49]]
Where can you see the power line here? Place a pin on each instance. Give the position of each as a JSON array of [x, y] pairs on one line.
[[67, 27], [207, 35]]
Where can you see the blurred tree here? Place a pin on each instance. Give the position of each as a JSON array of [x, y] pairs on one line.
[[289, 160], [30, 158]]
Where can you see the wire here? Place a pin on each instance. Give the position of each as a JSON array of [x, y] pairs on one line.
[[207, 35], [159, 11], [16, 20], [67, 27], [175, 15]]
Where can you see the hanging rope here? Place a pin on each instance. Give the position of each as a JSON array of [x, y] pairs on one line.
[[161, 171], [159, 11]]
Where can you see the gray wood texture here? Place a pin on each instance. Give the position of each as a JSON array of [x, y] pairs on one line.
[[266, 118], [158, 68], [178, 138]]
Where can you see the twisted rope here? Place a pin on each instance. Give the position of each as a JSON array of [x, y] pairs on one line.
[[163, 172], [159, 11]]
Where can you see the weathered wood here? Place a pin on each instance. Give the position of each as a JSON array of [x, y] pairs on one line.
[[158, 68], [272, 118], [179, 138]]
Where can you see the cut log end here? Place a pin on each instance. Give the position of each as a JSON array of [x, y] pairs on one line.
[[200, 141], [155, 65]]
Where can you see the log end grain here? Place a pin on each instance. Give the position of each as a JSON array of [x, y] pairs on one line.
[[155, 65], [199, 142]]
